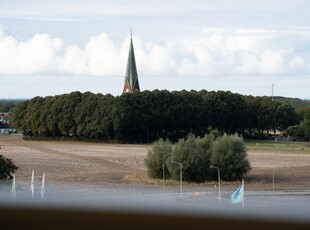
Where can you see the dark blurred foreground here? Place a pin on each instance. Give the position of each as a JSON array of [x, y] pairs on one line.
[[69, 218], [149, 209]]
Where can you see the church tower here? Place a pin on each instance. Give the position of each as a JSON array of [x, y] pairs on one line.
[[131, 78]]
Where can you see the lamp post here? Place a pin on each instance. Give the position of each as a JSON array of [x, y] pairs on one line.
[[164, 172], [180, 164], [219, 178], [272, 178]]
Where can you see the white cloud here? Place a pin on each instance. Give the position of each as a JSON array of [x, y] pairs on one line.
[[74, 61], [212, 53], [247, 52], [204, 63], [153, 59], [38, 54], [103, 56], [247, 63], [297, 63], [272, 62]]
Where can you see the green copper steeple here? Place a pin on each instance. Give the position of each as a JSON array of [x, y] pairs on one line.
[[131, 77]]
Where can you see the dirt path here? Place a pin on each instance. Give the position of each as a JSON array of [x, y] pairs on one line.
[[99, 164]]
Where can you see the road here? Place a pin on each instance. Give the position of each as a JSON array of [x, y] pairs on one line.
[[274, 205]]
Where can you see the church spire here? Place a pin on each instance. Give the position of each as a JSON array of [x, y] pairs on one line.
[[131, 77]]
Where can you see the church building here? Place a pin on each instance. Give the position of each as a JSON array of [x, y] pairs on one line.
[[131, 78]]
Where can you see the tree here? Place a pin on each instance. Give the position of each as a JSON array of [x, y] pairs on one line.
[[305, 125], [149, 115], [7, 167], [18, 116], [160, 151], [295, 131], [229, 154], [68, 104], [7, 104], [303, 129], [102, 118], [83, 115], [194, 153], [228, 111]]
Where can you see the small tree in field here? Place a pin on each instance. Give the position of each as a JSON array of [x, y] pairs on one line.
[[229, 154], [194, 153], [6, 168], [157, 155]]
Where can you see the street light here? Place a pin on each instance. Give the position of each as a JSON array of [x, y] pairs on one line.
[[272, 178], [180, 164], [219, 178], [164, 172]]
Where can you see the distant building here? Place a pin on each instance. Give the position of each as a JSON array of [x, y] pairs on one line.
[[131, 78]]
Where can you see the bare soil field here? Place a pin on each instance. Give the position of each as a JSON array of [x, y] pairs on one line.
[[66, 162]]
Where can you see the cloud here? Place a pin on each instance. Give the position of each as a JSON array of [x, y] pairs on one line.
[[74, 61], [103, 57], [36, 55], [265, 52], [272, 62], [215, 52]]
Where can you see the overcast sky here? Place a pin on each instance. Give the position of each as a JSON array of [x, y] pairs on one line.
[[59, 46]]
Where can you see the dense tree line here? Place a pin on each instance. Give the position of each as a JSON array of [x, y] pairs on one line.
[[6, 105], [149, 115], [302, 130], [296, 103]]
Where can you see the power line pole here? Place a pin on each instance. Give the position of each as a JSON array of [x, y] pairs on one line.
[[272, 88]]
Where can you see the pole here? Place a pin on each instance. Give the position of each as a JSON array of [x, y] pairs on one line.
[[243, 194], [272, 178], [180, 164], [219, 179], [181, 192], [164, 173], [272, 87]]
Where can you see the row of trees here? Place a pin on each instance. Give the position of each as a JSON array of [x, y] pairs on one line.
[[197, 155], [6, 105], [301, 130], [150, 115], [296, 103]]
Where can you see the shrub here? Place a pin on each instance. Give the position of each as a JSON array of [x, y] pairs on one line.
[[6, 168], [229, 154], [194, 154], [160, 151]]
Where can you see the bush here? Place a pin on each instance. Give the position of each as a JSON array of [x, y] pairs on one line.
[[196, 156], [6, 168], [229, 154], [160, 151]]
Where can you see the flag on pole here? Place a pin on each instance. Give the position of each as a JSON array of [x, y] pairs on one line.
[[238, 195], [13, 191], [32, 184], [42, 186]]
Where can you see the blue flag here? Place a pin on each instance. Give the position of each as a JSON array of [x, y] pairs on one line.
[[238, 195]]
